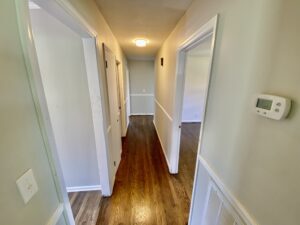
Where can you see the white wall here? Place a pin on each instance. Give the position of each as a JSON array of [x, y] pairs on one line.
[[62, 64], [141, 86], [196, 73], [21, 142], [257, 51]]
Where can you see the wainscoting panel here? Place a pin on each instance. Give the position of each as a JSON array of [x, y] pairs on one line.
[[213, 203]]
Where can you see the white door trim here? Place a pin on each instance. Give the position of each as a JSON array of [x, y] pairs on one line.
[[68, 15], [203, 32], [208, 29]]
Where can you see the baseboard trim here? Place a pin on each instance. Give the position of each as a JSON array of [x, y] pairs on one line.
[[234, 202], [56, 215], [163, 149], [141, 114], [141, 95], [84, 188], [191, 121]]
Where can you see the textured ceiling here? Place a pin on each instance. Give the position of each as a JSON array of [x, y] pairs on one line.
[[150, 19]]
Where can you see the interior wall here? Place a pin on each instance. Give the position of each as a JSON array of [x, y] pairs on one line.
[[196, 73], [62, 65], [21, 143], [257, 51], [141, 87]]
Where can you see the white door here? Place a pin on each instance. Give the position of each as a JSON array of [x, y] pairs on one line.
[[112, 89], [119, 95]]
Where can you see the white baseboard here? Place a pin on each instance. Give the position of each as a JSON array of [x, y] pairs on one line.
[[141, 114], [84, 188], [56, 215], [191, 121], [164, 151]]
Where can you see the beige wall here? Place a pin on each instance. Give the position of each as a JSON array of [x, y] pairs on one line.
[[257, 51], [21, 143], [141, 77]]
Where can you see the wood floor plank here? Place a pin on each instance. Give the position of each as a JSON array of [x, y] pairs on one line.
[[85, 207], [144, 191]]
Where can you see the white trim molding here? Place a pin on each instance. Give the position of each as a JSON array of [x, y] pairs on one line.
[[191, 121], [163, 109], [232, 200], [141, 114], [56, 215], [141, 95], [84, 188]]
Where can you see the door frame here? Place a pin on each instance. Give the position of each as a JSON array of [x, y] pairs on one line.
[[66, 13], [208, 29]]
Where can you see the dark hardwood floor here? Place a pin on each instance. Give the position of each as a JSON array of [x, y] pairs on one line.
[[85, 207], [144, 191], [188, 154]]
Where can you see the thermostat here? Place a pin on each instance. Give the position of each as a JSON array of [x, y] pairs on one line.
[[271, 106]]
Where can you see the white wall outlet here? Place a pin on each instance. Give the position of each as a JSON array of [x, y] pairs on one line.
[[27, 186], [144, 90]]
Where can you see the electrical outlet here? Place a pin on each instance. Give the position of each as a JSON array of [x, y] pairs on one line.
[[27, 186]]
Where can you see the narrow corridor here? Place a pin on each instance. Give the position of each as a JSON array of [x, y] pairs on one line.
[[144, 191]]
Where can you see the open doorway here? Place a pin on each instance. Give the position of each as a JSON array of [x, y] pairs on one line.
[[197, 66], [194, 63], [61, 54]]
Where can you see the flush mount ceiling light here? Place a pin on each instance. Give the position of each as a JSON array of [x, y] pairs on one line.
[[140, 42]]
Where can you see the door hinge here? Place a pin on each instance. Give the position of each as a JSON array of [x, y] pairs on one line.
[[106, 65], [115, 163]]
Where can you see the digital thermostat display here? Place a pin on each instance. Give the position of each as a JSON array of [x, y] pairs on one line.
[[273, 107], [264, 103]]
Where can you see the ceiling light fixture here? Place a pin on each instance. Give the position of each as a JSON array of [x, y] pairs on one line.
[[141, 42]]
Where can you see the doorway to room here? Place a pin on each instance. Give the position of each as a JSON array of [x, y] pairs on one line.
[[62, 53], [194, 63], [197, 65]]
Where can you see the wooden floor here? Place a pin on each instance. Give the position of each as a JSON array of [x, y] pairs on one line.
[[85, 207], [188, 154], [144, 192]]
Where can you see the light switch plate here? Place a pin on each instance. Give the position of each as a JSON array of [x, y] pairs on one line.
[[27, 186]]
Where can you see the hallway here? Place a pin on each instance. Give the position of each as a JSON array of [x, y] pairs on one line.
[[144, 191]]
